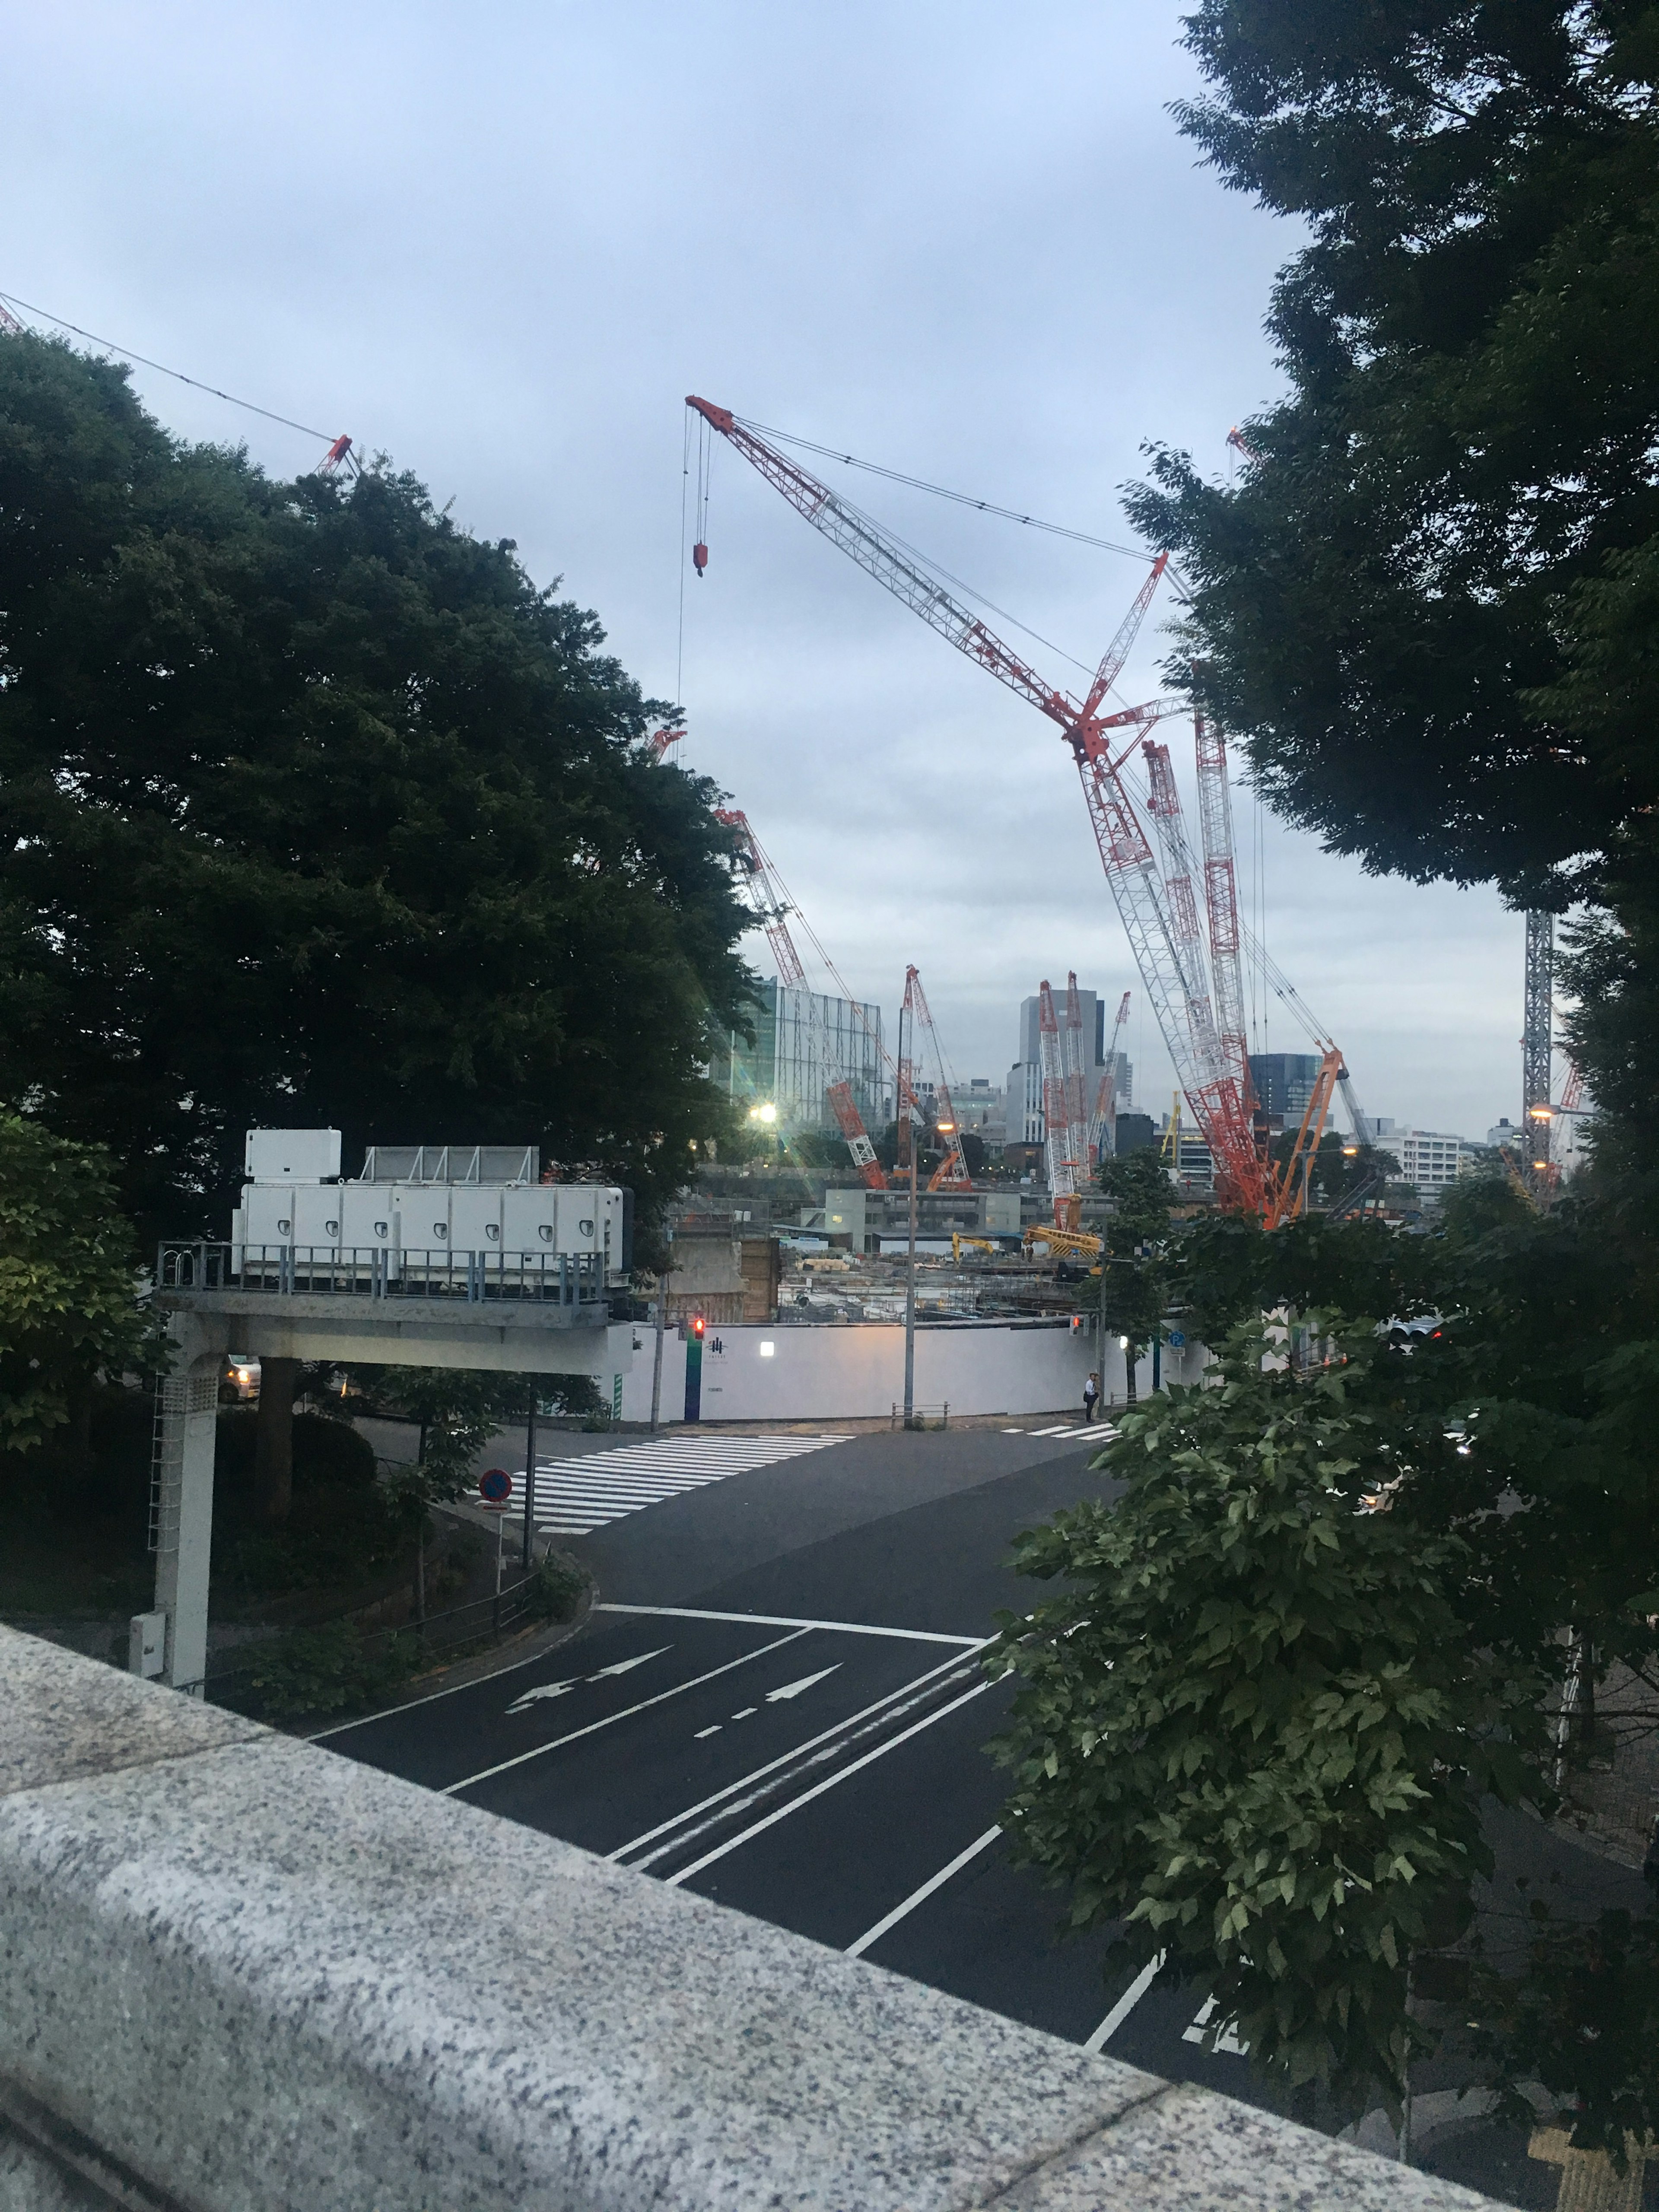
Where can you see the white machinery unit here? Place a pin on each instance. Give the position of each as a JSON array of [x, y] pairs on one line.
[[429, 1199]]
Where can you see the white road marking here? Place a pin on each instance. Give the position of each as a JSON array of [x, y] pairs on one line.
[[787, 1620], [611, 1719], [1226, 2041], [747, 1714], [920, 1896], [831, 1781], [626, 1666], [1060, 1431], [547, 1690], [1125, 2005], [559, 1689], [701, 1733], [759, 1773], [794, 1689], [576, 1496]]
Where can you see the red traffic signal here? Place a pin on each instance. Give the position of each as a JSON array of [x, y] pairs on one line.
[[698, 1326]]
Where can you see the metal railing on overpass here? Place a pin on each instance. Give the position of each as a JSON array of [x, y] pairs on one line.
[[379, 1271]]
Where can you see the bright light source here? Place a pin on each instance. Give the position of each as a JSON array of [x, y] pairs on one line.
[[1350, 1152], [768, 1351], [1541, 1164], [1123, 1344], [1541, 1113], [767, 1113], [945, 1128]]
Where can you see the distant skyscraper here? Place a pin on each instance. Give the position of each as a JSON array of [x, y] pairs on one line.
[[1025, 1076], [1284, 1083]]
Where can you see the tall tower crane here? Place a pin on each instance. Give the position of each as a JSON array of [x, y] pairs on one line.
[[1062, 1181], [771, 910], [1167, 944], [1077, 1112], [1131, 869], [953, 1171], [1103, 1127]]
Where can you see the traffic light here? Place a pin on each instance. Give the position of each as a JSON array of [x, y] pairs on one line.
[[698, 1324]]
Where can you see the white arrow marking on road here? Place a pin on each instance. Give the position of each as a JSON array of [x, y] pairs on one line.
[[547, 1690], [794, 1689], [626, 1666], [559, 1689]]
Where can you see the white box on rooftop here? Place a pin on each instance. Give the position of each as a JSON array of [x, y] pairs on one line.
[[292, 1155]]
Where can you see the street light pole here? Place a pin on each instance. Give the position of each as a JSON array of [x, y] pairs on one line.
[[656, 1362], [909, 1125]]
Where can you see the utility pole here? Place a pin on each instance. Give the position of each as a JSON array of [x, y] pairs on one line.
[[1536, 1046], [529, 1481], [908, 1127], [656, 1363]]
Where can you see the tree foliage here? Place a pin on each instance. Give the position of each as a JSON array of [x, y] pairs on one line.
[[1249, 1727], [1426, 605], [316, 809], [70, 1305]]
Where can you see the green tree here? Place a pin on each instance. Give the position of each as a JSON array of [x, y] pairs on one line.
[[69, 1306], [1250, 1729], [1134, 1292], [1425, 605], [316, 809]]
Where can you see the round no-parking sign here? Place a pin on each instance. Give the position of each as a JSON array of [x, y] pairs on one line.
[[495, 1485]]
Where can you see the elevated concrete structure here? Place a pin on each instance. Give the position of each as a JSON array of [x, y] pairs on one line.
[[239, 1972]]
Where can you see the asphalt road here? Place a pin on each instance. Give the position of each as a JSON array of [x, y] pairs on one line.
[[778, 1704]]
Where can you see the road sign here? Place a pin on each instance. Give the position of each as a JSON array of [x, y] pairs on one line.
[[496, 1487], [1177, 1340]]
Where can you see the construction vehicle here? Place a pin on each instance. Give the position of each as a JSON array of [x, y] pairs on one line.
[[1202, 1027], [959, 1244]]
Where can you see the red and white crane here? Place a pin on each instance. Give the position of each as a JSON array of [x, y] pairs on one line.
[[953, 1171], [771, 907], [1159, 913], [1060, 1166]]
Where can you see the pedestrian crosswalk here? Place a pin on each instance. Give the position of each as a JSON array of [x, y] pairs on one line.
[[1102, 1429], [576, 1496]]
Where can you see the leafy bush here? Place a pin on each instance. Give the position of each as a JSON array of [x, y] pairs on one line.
[[554, 1589], [322, 1670]]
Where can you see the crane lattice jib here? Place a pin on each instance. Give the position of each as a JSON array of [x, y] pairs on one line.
[[1124, 849], [1215, 817], [1077, 1113], [1537, 1039], [766, 902], [1062, 1182], [952, 1169], [1105, 1124], [1112, 660], [879, 557], [844, 1106]]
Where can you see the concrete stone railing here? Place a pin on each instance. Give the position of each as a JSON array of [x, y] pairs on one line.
[[237, 1972]]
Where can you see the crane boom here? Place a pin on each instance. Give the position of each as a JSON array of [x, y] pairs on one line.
[[1077, 1113], [1215, 816], [952, 1169], [1055, 1133], [771, 910], [1125, 855], [1105, 1124]]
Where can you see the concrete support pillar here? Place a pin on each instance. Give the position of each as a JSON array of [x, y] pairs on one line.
[[182, 1513]]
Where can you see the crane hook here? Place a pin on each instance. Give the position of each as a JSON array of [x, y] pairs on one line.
[[700, 556]]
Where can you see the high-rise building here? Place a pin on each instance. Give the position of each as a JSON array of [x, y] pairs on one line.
[[805, 1041], [1024, 1116], [1427, 1157], [1284, 1084]]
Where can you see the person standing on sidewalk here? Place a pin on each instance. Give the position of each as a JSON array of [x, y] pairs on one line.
[[1091, 1395]]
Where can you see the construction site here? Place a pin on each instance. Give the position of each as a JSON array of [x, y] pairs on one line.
[[814, 1226]]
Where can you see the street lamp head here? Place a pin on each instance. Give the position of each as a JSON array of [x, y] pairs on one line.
[[1541, 1113]]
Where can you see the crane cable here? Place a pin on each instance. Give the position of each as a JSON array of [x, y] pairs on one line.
[[287, 422], [961, 498]]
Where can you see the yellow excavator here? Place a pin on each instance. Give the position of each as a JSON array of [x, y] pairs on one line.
[[972, 1243]]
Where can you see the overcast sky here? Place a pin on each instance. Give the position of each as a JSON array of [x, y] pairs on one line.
[[502, 243]]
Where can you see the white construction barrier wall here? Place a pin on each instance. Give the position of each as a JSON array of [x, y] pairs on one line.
[[754, 1371]]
